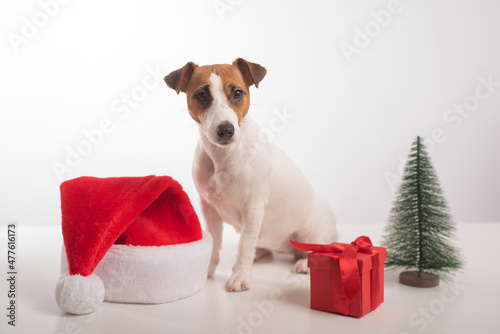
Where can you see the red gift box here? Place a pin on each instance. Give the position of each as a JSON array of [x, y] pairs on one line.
[[346, 278]]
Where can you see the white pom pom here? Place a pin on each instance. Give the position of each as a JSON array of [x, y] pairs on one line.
[[78, 294]]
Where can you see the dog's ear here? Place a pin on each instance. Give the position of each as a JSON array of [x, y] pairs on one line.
[[179, 79], [252, 73]]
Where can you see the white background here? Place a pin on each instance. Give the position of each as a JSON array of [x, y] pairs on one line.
[[354, 119]]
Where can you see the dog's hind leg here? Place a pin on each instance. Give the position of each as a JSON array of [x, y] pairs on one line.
[[324, 231], [300, 266]]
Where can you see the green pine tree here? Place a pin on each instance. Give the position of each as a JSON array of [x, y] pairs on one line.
[[420, 227]]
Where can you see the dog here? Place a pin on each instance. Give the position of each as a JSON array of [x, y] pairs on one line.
[[242, 179]]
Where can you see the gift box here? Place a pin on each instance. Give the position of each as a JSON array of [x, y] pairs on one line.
[[346, 278]]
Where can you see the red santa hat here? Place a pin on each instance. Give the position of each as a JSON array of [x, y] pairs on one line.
[[131, 240]]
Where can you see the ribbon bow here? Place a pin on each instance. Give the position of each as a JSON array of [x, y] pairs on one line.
[[350, 280]]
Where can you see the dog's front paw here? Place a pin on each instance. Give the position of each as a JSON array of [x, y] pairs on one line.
[[214, 261], [238, 282], [301, 267]]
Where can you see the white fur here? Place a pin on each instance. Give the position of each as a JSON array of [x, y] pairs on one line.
[[252, 185], [77, 294], [145, 274], [218, 112]]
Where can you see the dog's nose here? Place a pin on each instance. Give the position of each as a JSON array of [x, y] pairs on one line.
[[225, 130]]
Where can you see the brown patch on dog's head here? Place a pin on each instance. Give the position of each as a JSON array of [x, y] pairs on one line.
[[236, 81]]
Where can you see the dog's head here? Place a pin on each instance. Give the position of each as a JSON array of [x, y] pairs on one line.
[[218, 96]]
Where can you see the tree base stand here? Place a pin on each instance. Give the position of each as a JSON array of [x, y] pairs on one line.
[[425, 280]]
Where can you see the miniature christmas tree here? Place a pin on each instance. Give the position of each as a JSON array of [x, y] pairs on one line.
[[420, 226]]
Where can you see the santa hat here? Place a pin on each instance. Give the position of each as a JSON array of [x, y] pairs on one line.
[[130, 240]]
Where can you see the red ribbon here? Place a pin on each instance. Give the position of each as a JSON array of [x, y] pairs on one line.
[[350, 280]]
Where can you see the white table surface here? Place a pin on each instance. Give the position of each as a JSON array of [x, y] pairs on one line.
[[471, 305]]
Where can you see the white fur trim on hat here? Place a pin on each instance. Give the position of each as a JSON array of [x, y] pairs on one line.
[[152, 274]]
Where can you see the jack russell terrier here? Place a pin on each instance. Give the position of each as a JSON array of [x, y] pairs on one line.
[[242, 180]]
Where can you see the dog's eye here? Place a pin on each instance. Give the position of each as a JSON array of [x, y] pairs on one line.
[[238, 94], [201, 96]]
